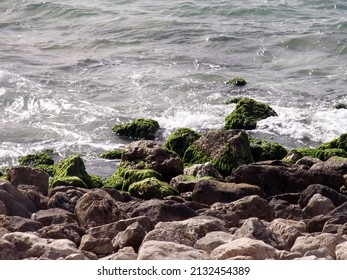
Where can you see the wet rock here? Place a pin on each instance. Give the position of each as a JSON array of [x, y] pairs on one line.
[[276, 177], [23, 175], [246, 247], [247, 207], [137, 129], [16, 203], [247, 113], [224, 149], [96, 208], [322, 245], [163, 211], [341, 251], [211, 191], [256, 229], [99, 246], [181, 139], [287, 231], [162, 250]]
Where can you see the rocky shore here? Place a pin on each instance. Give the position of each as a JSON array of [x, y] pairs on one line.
[[216, 195]]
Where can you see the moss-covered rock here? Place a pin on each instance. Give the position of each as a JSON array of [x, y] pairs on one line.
[[340, 106], [233, 100], [238, 81], [322, 154], [74, 167], [181, 139], [69, 181], [292, 156], [137, 129], [338, 143], [225, 149], [124, 177], [36, 159], [50, 169], [247, 113], [151, 188], [266, 150], [113, 154]]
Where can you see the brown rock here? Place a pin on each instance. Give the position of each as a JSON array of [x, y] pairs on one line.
[[35, 195], [246, 247], [246, 207], [321, 246], [318, 205], [203, 170], [317, 223], [211, 191], [276, 177], [99, 246], [112, 229], [131, 237], [126, 253], [63, 231], [54, 216], [3, 210], [212, 240], [333, 164], [284, 209], [97, 208], [16, 203], [20, 224], [23, 175], [162, 250], [163, 211]]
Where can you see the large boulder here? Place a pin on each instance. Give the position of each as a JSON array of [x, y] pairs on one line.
[[23, 175], [225, 149], [15, 202], [276, 177], [163, 211], [211, 191], [247, 113], [131, 237], [244, 247], [148, 154], [162, 250], [96, 208], [247, 207], [185, 232], [181, 139], [137, 129], [318, 205], [322, 245]]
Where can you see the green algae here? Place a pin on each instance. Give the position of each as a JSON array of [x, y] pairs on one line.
[[137, 129]]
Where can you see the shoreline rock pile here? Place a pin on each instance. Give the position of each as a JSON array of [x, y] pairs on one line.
[[217, 195]]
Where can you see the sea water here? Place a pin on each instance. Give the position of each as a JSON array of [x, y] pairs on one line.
[[71, 69]]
